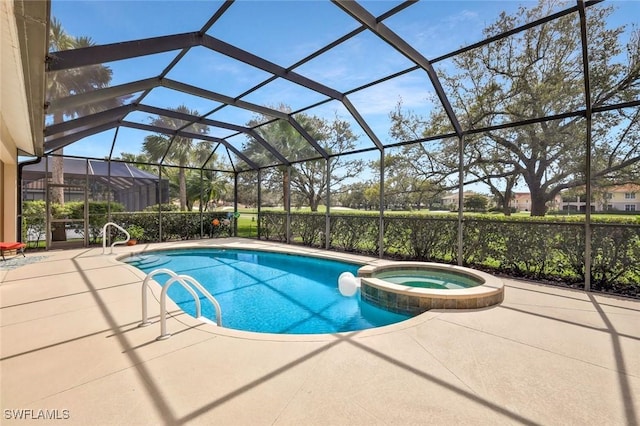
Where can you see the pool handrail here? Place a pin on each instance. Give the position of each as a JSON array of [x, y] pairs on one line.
[[104, 236], [184, 281], [181, 279], [145, 284]]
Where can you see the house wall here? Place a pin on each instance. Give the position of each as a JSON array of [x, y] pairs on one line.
[[618, 200], [521, 204], [8, 187], [22, 36], [2, 214]]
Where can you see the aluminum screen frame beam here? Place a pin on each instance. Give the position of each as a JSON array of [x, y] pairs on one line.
[[307, 137], [70, 102], [93, 55], [360, 14], [129, 88], [214, 123], [267, 66], [361, 121], [588, 144], [185, 41], [100, 54], [150, 83], [118, 51], [190, 135], [218, 97], [61, 142], [196, 91], [91, 120]]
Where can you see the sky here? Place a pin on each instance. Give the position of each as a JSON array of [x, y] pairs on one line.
[[284, 32]]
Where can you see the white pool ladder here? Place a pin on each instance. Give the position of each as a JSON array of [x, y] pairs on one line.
[[184, 281], [104, 236]]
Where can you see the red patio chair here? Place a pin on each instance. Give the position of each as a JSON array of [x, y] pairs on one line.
[[18, 247]]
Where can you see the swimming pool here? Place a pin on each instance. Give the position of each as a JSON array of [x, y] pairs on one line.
[[268, 292]]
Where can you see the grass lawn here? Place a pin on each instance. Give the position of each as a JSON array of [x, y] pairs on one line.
[[338, 210], [247, 224]]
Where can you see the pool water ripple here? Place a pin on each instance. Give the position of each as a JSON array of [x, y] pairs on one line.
[[268, 292]]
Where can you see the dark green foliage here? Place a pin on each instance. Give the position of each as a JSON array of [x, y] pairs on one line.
[[136, 232], [177, 225], [310, 228], [273, 226], [167, 207], [33, 222], [219, 224], [413, 237], [615, 256], [355, 233], [550, 249], [475, 203], [540, 248], [98, 214], [34, 212]]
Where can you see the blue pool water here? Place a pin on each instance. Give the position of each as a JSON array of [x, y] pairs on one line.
[[268, 292], [429, 278]]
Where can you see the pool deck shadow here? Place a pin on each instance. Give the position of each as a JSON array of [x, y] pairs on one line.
[[71, 353]]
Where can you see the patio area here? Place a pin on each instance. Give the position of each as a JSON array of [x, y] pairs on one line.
[[72, 353]]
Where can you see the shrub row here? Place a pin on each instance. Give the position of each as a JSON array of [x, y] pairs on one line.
[[550, 248], [175, 225], [34, 213]]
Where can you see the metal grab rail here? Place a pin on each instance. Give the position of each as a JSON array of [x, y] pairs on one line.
[[145, 284], [183, 281], [104, 236]]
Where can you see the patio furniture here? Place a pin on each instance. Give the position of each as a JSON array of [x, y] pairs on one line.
[[18, 247]]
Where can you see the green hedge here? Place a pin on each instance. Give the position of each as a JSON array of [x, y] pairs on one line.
[[177, 225], [547, 248], [34, 227], [355, 233], [34, 213]]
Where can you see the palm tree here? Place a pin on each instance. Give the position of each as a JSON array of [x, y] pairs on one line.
[[287, 141], [211, 188], [70, 82], [180, 151], [308, 179]]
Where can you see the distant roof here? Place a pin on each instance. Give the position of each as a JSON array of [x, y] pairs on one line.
[[630, 187], [76, 166], [122, 175]]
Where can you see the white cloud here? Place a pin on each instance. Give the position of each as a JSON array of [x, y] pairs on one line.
[[416, 93]]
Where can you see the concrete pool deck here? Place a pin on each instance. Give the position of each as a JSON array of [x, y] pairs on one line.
[[71, 350]]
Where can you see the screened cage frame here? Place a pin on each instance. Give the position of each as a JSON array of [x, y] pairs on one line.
[[59, 135]]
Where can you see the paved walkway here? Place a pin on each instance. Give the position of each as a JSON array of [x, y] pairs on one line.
[[71, 349]]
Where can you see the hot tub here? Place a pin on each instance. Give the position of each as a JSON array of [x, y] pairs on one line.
[[415, 287]]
